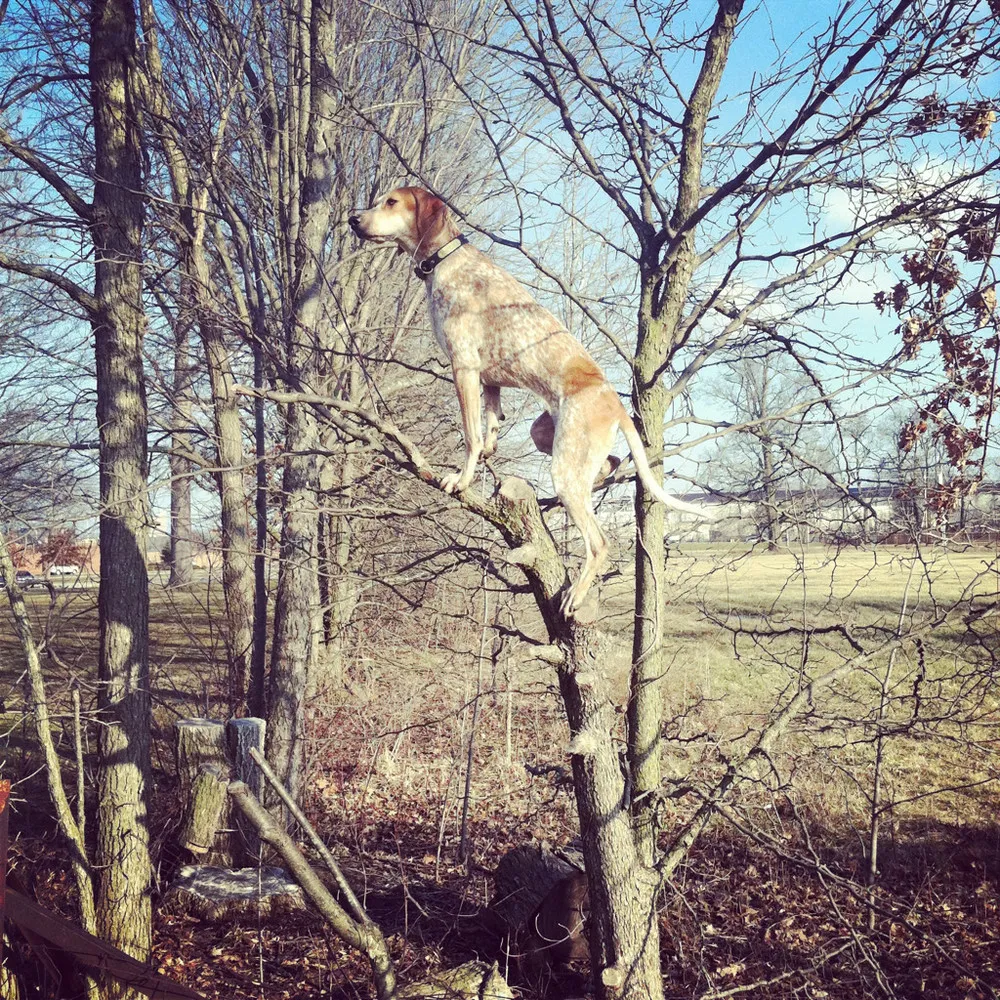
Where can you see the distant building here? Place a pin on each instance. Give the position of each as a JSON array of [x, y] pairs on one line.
[[860, 514]]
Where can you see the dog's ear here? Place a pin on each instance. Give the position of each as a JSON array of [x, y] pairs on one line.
[[431, 217]]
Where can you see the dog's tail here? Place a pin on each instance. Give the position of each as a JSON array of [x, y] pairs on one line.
[[631, 434]]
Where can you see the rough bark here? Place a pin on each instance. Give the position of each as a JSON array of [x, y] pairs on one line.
[[623, 932], [237, 553], [201, 747], [206, 807], [246, 736], [122, 852], [292, 655], [257, 687], [296, 624], [198, 742], [338, 592]]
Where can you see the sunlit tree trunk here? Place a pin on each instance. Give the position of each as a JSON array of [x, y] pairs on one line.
[[296, 623], [122, 854]]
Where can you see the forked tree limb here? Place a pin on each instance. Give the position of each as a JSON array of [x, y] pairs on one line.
[[367, 938], [328, 859]]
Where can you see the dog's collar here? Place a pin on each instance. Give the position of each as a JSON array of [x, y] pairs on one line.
[[424, 267]]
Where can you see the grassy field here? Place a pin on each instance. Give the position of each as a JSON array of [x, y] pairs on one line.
[[744, 629]]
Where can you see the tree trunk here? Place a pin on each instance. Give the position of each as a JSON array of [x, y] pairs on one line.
[[338, 591], [297, 623], [198, 294], [649, 659], [295, 605], [624, 933], [664, 290], [622, 887], [256, 693], [122, 852], [237, 552], [181, 560]]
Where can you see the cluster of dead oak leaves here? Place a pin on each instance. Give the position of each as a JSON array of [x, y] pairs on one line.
[[947, 302]]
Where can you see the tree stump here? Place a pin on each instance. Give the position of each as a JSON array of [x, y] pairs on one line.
[[198, 742], [215, 893], [201, 748], [243, 736], [207, 806]]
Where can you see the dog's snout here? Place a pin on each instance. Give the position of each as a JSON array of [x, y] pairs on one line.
[[354, 221]]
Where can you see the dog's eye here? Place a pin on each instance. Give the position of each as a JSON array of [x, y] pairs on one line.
[[389, 202]]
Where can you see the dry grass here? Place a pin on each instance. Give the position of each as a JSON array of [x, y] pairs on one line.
[[414, 678]]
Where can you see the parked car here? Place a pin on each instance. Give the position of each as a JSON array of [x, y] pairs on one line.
[[57, 571], [24, 580]]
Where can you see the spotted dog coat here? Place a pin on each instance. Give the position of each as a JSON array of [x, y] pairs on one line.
[[497, 336]]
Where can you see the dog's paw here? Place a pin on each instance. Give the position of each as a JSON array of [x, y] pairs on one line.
[[580, 607], [568, 603], [452, 483]]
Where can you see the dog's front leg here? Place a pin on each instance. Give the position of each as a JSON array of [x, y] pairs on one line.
[[470, 402], [494, 414]]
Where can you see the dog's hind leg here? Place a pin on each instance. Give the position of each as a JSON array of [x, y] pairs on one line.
[[585, 431], [543, 432]]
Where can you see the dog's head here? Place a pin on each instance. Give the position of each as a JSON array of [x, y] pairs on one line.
[[412, 218]]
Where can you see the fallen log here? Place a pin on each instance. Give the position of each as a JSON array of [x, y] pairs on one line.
[[544, 902], [471, 981]]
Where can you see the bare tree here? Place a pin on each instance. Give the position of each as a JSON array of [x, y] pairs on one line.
[[122, 856], [197, 291], [283, 273], [692, 167], [114, 219]]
